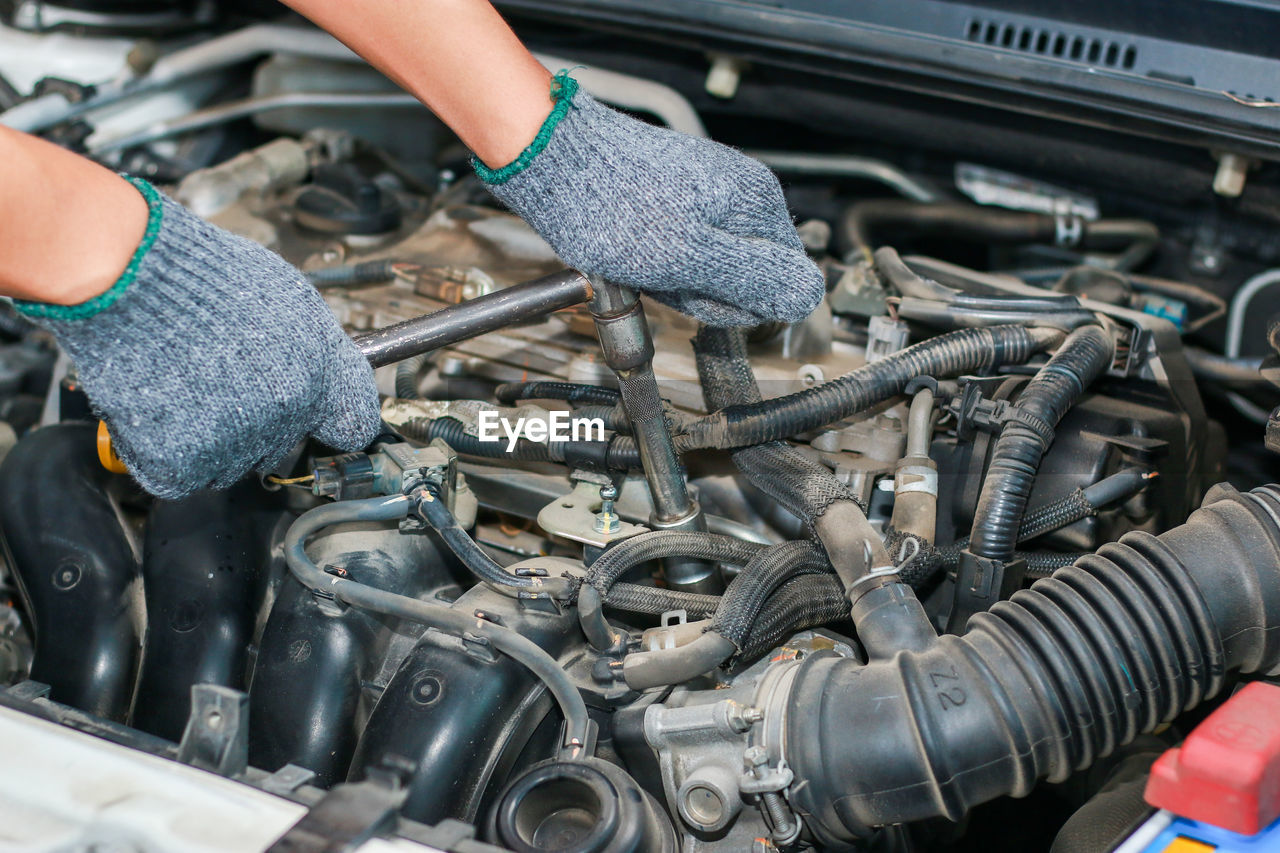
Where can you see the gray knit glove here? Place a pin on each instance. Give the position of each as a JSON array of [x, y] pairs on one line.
[[692, 223], [211, 356]]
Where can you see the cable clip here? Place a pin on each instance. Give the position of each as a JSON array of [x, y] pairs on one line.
[[974, 412]]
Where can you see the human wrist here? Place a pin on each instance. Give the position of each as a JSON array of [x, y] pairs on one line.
[[510, 121], [563, 88], [94, 296]]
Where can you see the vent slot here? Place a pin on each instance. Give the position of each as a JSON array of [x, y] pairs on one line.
[[1056, 43]]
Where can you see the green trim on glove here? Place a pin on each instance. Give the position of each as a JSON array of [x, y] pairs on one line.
[[104, 300], [563, 88]]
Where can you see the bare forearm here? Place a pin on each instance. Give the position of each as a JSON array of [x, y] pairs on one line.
[[457, 56], [68, 227]]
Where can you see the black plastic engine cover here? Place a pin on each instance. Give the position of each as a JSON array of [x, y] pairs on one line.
[[464, 715], [318, 664], [204, 569], [75, 568], [1107, 430]]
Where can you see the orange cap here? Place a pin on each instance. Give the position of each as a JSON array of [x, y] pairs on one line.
[[107, 454]]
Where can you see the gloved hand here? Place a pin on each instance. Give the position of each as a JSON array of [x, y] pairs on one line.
[[690, 222], [212, 356]]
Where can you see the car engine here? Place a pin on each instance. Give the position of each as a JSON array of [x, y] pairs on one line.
[[943, 567]]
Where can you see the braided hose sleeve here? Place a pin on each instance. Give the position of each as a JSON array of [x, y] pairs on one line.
[[1083, 356], [749, 593], [660, 544]]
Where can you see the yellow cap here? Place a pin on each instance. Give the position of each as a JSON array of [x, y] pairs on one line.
[[107, 454]]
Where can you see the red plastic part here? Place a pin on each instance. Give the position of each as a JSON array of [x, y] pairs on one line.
[[1227, 772]]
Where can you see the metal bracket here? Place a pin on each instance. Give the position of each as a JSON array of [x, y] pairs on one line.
[[287, 779], [572, 517], [217, 733], [349, 815], [29, 691]]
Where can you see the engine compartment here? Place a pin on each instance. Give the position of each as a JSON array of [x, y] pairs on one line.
[[977, 530]]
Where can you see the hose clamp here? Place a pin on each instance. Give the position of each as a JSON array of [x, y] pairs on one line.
[[915, 478], [1042, 428], [871, 580]]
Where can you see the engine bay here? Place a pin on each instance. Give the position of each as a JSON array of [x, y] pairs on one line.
[[941, 567]]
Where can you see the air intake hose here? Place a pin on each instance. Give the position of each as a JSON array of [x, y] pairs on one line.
[[1043, 684]]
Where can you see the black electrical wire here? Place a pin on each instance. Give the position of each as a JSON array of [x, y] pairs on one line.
[[568, 392], [546, 668], [1083, 356], [947, 355], [431, 508]]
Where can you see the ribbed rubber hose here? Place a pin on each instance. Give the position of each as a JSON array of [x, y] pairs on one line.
[[569, 392], [952, 354], [1043, 684], [1006, 488]]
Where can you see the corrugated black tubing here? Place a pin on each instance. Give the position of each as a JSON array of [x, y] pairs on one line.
[[367, 272], [1083, 356], [407, 375], [569, 392], [618, 453], [952, 354], [1043, 684], [454, 433]]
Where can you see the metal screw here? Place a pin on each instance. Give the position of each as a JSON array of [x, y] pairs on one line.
[[779, 817], [779, 814], [607, 520]]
